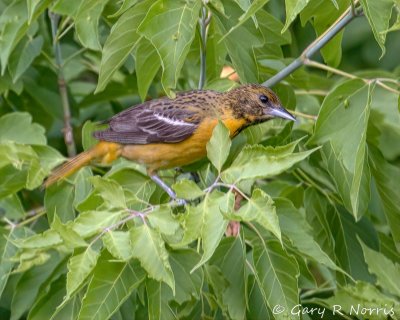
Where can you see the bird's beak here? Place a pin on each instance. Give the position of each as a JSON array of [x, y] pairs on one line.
[[281, 113]]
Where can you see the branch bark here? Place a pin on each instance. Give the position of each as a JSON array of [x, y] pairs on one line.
[[204, 21], [315, 46], [62, 87]]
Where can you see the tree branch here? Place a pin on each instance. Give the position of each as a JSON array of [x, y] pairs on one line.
[[315, 46], [204, 21], [62, 87], [322, 66]]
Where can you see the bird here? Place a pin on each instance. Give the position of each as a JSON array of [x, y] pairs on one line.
[[167, 133]]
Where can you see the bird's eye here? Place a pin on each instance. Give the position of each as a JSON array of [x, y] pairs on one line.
[[263, 98]]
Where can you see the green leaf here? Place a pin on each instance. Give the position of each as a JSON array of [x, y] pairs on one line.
[[67, 309], [23, 56], [88, 140], [22, 167], [215, 60], [316, 215], [293, 8], [125, 6], [12, 208], [351, 299], [14, 25], [384, 269], [344, 150], [14, 167], [265, 165], [158, 295], [378, 14], [46, 239], [89, 223], [187, 189], [66, 7], [110, 191], [163, 220], [271, 29], [13, 20], [276, 274], [147, 65], [120, 43], [70, 238], [383, 127], [149, 248], [61, 198], [386, 176], [58, 200], [112, 283], [237, 43], [18, 127], [209, 224], [300, 234], [388, 248], [170, 26], [322, 15], [257, 307], [260, 208], [187, 285], [118, 243], [47, 302], [230, 258], [138, 184], [29, 286], [32, 4], [217, 4], [248, 12], [219, 145], [87, 21], [347, 247], [8, 249], [79, 267], [217, 282]]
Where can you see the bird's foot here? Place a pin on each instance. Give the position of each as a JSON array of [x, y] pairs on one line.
[[167, 189], [180, 202]]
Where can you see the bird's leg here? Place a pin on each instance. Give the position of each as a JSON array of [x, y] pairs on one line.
[[153, 175]]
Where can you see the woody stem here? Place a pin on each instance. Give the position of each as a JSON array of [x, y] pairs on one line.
[[315, 46], [204, 21], [62, 87]]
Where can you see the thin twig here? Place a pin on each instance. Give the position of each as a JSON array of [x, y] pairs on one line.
[[342, 73], [72, 56], [311, 92], [302, 176], [34, 215], [62, 87], [204, 21], [132, 214], [394, 81], [385, 86], [314, 47], [304, 115], [315, 64], [62, 32]]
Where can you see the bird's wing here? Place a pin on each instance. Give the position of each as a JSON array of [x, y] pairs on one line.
[[162, 120]]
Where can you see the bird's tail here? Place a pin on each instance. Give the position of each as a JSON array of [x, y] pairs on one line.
[[106, 152]]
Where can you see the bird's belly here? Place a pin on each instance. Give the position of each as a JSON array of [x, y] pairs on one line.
[[169, 155], [162, 156]]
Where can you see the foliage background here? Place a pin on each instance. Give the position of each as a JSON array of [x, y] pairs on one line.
[[318, 199]]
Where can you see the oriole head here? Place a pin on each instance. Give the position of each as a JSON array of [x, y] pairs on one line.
[[256, 103]]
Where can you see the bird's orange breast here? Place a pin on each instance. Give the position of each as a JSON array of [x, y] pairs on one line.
[[169, 155]]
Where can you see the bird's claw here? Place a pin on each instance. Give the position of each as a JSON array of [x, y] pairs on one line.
[[180, 202]]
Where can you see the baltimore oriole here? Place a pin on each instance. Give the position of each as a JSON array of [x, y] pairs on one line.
[[166, 133]]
